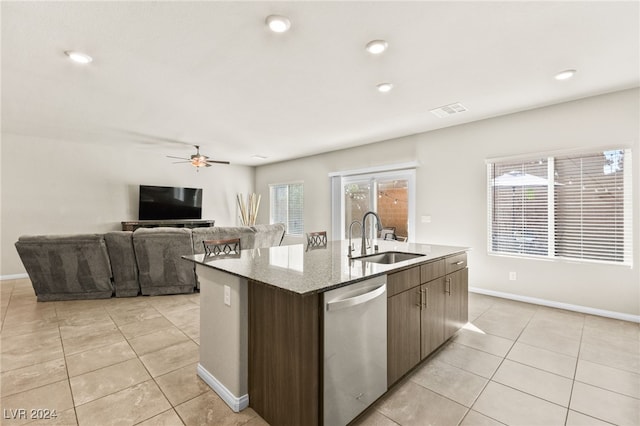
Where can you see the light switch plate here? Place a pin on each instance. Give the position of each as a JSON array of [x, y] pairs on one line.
[[426, 219], [227, 295]]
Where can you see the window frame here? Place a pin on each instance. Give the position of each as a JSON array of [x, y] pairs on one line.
[[286, 223], [404, 171], [627, 205]]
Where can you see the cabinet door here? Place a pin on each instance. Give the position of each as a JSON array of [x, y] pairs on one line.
[[456, 301], [432, 330], [403, 333]]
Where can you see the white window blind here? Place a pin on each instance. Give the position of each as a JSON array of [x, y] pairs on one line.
[[570, 206], [287, 206], [520, 207]]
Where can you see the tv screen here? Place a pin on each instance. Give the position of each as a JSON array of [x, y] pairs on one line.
[[168, 202]]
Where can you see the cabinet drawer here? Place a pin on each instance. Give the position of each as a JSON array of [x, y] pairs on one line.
[[403, 280], [432, 270], [455, 263]]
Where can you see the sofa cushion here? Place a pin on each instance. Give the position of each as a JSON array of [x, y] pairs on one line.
[[159, 254], [67, 267], [123, 263], [246, 234], [268, 235]]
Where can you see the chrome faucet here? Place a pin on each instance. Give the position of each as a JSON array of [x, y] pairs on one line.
[[363, 248], [351, 233]]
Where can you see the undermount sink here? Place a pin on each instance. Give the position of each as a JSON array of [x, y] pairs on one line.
[[388, 257]]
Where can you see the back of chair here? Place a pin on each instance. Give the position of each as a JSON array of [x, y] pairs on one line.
[[221, 247], [388, 233], [317, 239]]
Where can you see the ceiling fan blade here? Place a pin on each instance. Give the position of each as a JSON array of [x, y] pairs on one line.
[[176, 162], [218, 162], [157, 139], [179, 158]]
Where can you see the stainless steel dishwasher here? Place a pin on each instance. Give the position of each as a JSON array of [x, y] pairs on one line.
[[355, 349]]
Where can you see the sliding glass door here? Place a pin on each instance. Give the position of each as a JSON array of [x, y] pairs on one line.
[[358, 199], [390, 194]]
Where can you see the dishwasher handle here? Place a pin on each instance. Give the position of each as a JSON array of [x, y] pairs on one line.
[[356, 300]]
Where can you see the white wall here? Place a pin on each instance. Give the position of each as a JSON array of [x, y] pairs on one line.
[[58, 187], [451, 188], [313, 171]]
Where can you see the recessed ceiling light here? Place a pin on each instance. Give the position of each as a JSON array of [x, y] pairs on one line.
[[384, 87], [278, 24], [78, 57], [376, 47], [565, 75]]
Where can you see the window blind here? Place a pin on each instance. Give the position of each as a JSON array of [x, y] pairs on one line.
[[287, 206], [590, 207], [571, 206], [520, 207]]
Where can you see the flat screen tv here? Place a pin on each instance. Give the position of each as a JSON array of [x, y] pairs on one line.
[[168, 202]]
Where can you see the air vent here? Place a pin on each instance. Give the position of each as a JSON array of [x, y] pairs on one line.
[[447, 110]]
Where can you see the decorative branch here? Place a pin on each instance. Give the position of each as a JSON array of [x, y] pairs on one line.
[[248, 210]]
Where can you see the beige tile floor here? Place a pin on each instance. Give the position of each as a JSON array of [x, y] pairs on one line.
[[133, 361]]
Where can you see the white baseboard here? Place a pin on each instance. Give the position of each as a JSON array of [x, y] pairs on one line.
[[235, 403], [559, 305], [13, 277]]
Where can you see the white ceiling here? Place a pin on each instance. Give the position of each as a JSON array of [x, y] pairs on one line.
[[211, 73]]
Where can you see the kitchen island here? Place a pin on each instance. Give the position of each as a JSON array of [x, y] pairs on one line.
[[262, 319]]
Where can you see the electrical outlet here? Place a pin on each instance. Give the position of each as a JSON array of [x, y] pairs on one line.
[[512, 276], [227, 295], [425, 219]]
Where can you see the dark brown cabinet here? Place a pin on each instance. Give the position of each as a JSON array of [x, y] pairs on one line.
[[403, 333], [457, 301], [433, 316], [426, 305]]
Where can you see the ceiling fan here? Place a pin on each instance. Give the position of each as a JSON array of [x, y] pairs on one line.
[[198, 160]]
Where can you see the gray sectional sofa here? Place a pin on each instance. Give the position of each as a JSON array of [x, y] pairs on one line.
[[146, 261]]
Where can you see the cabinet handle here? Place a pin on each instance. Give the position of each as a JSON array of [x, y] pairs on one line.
[[448, 287], [419, 305], [459, 263], [426, 298]]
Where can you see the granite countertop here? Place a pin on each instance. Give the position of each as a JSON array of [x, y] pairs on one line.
[[296, 269]]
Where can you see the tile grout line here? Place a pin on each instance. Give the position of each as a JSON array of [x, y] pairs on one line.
[[7, 310], [66, 367], [143, 366], [139, 360], [488, 380], [498, 367], [173, 407], [575, 371], [432, 357]]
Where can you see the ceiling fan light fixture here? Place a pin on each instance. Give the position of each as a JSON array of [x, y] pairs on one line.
[[197, 160], [278, 24], [376, 47]]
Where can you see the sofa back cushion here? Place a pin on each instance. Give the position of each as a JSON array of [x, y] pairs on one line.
[[159, 254], [268, 235], [65, 267], [123, 263]]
